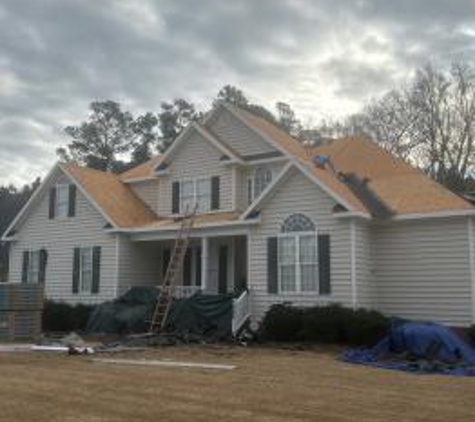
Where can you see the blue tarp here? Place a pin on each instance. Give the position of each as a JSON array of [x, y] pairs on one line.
[[418, 347]]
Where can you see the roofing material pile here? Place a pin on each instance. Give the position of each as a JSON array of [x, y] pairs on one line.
[[21, 306], [420, 348]]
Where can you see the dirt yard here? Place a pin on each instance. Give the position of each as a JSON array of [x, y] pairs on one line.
[[267, 385]]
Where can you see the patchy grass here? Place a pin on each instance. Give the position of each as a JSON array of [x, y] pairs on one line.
[[268, 385]]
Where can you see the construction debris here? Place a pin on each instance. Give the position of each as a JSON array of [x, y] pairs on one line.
[[168, 363]]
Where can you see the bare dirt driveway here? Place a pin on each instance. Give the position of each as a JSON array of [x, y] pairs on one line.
[[267, 385]]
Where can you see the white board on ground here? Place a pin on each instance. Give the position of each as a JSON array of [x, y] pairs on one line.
[[169, 363]]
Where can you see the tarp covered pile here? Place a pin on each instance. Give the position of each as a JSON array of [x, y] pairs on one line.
[[418, 347], [201, 315]]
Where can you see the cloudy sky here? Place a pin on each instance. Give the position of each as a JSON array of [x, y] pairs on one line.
[[324, 57]]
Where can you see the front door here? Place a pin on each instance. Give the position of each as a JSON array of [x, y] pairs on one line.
[[223, 270]]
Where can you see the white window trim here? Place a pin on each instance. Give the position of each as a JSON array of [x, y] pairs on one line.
[[91, 249], [195, 182], [298, 279], [250, 190]]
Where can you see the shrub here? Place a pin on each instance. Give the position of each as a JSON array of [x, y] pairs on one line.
[[325, 324], [331, 324], [62, 317], [471, 334], [282, 323], [365, 328]]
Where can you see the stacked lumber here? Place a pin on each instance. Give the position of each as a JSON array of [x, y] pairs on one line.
[[21, 306]]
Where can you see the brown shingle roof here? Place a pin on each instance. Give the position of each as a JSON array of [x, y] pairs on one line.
[[116, 199], [401, 187], [142, 170]]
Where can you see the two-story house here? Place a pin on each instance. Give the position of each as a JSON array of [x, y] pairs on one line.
[[340, 222]]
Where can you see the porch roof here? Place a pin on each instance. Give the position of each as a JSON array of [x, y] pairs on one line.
[[200, 221]]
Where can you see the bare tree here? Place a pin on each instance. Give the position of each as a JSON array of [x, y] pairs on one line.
[[430, 122]]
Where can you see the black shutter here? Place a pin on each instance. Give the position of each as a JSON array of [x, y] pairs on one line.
[[52, 203], [176, 198], [76, 269], [25, 266], [72, 201], [166, 255], [96, 269], [187, 269], [272, 265], [215, 185], [198, 266], [324, 264], [43, 262]]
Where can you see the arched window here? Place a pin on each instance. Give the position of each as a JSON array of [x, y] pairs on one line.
[[262, 179], [298, 255], [298, 223]]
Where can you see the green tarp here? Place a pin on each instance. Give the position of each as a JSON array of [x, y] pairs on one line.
[[203, 315]]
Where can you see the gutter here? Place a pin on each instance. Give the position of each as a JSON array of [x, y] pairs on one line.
[[234, 223]]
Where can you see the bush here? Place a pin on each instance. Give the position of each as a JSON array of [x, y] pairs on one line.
[[282, 323], [332, 324], [365, 327], [62, 317], [471, 334]]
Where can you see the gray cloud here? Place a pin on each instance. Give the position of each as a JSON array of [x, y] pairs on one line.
[[324, 57]]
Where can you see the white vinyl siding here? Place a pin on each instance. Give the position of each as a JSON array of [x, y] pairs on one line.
[[422, 270], [238, 136], [140, 263], [364, 264], [148, 191], [196, 158], [59, 237], [299, 194]]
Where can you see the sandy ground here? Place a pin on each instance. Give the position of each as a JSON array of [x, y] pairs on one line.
[[267, 385]]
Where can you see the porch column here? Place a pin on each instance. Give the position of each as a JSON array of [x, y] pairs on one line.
[[204, 261]]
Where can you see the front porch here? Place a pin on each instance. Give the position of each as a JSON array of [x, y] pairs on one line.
[[212, 265]]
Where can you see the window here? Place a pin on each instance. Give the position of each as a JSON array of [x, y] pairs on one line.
[[62, 199], [187, 196], [195, 192], [298, 255], [33, 276], [250, 193], [86, 270], [262, 179], [203, 195]]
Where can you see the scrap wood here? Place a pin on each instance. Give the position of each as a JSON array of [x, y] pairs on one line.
[[169, 363]]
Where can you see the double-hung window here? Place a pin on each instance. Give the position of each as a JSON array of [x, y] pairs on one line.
[[195, 192], [297, 256], [203, 194], [262, 179], [187, 196], [86, 270], [33, 267], [62, 199], [257, 183]]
